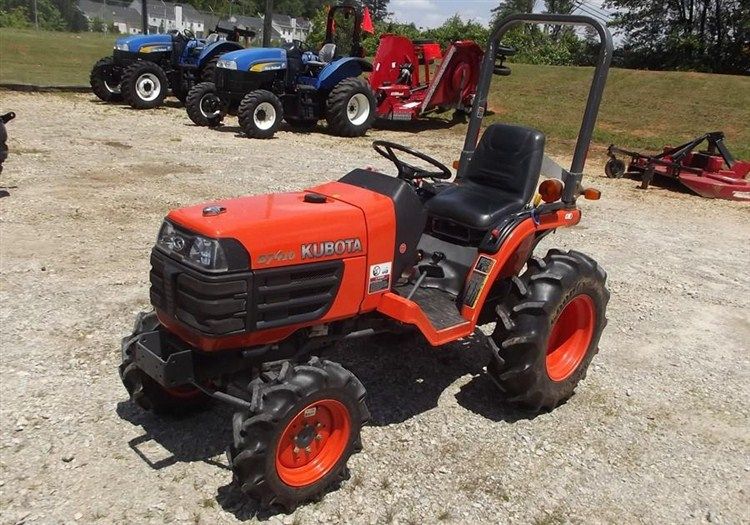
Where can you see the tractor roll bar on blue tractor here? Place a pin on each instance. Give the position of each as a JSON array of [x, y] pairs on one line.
[[571, 179]]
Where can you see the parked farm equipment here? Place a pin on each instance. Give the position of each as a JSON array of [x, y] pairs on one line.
[[713, 173], [267, 85], [247, 292], [143, 67], [4, 119], [406, 89]]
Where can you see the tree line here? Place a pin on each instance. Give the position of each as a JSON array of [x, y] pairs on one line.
[[697, 35]]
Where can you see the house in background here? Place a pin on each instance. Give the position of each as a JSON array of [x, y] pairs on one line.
[[126, 20], [169, 16]]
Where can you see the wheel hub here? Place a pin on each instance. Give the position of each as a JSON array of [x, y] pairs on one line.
[[313, 442], [570, 337], [148, 86]]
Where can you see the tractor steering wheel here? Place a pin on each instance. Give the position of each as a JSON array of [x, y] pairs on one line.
[[408, 171], [187, 33]]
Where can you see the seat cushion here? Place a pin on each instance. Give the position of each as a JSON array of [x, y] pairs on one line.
[[474, 205]]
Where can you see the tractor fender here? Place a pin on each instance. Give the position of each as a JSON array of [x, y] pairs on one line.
[[341, 69], [217, 48]]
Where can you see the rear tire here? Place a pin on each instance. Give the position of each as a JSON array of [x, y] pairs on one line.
[[105, 80], [203, 105], [351, 108], [548, 329], [294, 445], [260, 114], [144, 85], [614, 169], [146, 392]]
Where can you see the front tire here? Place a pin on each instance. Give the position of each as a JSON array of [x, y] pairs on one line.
[[351, 108], [294, 445], [144, 85], [548, 329], [260, 114], [203, 105], [105, 80], [209, 70], [145, 391]]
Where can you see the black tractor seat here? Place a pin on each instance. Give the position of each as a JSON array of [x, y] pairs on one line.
[[500, 180]]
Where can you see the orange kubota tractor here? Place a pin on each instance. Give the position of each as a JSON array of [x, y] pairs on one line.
[[249, 292]]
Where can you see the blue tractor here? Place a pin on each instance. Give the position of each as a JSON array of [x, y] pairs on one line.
[[143, 67], [267, 85]]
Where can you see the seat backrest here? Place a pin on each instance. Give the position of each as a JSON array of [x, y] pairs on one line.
[[327, 53], [508, 158]]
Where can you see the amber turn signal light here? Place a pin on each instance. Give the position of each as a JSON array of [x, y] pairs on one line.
[[551, 190], [592, 194]]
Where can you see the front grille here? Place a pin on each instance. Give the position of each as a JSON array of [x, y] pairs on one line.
[[296, 294], [219, 305], [234, 81], [211, 304]]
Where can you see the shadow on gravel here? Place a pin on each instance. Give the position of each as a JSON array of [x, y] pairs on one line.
[[198, 437], [404, 377]]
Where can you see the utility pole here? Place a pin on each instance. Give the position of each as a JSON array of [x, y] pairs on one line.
[[267, 28], [36, 17], [144, 16]]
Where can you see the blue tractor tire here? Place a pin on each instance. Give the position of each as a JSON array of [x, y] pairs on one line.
[[204, 106], [144, 85], [260, 114], [105, 80], [351, 108]]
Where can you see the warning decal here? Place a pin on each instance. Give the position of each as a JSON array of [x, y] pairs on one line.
[[380, 278]]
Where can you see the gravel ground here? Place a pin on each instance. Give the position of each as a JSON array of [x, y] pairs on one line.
[[658, 432]]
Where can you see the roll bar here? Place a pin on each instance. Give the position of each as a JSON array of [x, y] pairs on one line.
[[356, 49], [571, 179]]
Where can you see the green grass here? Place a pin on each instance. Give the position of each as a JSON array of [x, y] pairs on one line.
[[50, 58], [641, 109]]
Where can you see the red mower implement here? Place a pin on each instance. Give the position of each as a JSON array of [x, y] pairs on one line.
[[406, 90], [713, 173], [249, 292]]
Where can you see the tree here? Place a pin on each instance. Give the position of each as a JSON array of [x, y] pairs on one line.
[[511, 7], [708, 35], [378, 9]]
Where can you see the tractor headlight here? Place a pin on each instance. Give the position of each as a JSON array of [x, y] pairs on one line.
[[226, 64], [122, 47], [194, 250]]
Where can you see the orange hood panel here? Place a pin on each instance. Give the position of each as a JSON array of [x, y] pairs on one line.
[[282, 229]]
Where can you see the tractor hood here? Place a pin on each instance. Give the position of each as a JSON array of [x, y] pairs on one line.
[[281, 229], [144, 43], [244, 59]]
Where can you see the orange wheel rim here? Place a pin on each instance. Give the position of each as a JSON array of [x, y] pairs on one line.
[[313, 442], [570, 337]]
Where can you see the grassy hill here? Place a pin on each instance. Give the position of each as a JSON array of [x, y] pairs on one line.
[[641, 109]]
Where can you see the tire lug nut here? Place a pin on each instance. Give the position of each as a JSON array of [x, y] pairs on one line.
[[308, 449], [318, 437], [296, 450]]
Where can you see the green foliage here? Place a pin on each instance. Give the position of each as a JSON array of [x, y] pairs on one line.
[[16, 17], [704, 35], [456, 29], [97, 25], [378, 9]]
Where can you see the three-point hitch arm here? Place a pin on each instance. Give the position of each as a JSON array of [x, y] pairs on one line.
[[572, 178]]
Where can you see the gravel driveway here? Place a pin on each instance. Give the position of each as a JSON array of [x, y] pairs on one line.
[[658, 433]]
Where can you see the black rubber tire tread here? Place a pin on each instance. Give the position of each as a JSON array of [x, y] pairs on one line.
[[209, 69], [277, 396], [96, 80], [524, 321], [143, 390], [614, 169], [301, 124], [192, 105], [336, 108], [247, 109], [131, 74]]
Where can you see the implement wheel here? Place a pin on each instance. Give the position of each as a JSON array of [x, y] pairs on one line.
[[548, 330], [296, 442]]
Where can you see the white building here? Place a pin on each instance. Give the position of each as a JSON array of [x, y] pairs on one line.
[[291, 28], [167, 16]]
